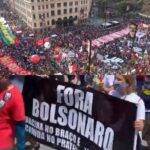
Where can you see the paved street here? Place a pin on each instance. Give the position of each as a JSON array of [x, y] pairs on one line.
[[42, 147]]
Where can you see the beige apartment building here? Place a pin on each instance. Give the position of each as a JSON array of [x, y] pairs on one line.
[[49, 13], [11, 4]]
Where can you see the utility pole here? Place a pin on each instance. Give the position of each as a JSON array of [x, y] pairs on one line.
[[90, 53], [105, 12]]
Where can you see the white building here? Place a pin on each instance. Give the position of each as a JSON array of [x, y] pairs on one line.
[[47, 13]]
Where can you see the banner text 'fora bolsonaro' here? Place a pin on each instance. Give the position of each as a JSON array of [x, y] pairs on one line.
[[69, 117]]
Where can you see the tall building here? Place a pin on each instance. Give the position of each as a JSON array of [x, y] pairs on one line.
[[3, 11], [12, 4], [49, 13]]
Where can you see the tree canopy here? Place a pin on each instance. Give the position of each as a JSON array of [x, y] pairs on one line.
[[120, 6]]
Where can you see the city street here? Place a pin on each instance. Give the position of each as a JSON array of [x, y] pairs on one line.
[[42, 147], [75, 74]]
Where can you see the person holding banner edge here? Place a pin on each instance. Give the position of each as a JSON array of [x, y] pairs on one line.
[[124, 88], [12, 116]]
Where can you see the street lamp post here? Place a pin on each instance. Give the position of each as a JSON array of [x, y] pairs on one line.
[[105, 12], [133, 42], [90, 53]]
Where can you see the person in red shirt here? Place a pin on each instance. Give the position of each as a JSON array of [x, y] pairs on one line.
[[12, 116]]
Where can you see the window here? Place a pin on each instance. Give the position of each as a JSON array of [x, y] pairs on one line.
[[58, 4], [53, 22], [32, 0], [41, 24], [65, 4], [76, 9], [39, 7], [76, 17], [43, 16], [42, 0], [47, 15], [65, 11], [38, 0], [43, 6], [52, 13], [34, 17], [32, 7], [70, 3], [52, 5], [76, 3], [34, 24], [48, 23], [58, 12], [46, 6], [70, 10]]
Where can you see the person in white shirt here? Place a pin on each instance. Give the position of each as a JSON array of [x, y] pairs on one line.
[[124, 88]]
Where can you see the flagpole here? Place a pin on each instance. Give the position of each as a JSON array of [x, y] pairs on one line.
[[136, 134], [135, 140], [105, 13], [90, 52]]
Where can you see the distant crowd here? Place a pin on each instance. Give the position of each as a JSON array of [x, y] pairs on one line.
[[69, 54]]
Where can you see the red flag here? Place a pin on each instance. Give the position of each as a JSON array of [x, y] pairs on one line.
[[40, 42], [58, 58], [73, 69]]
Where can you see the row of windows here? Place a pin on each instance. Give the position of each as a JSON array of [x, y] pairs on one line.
[[65, 3], [53, 5], [43, 24], [70, 10], [53, 22], [84, 1], [59, 12]]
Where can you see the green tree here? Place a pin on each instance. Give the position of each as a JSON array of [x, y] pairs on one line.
[[102, 6], [140, 4], [121, 7]]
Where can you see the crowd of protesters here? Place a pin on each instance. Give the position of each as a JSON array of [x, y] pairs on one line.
[[4, 71], [57, 59], [68, 54]]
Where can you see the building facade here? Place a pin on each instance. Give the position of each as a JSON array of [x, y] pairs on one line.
[[3, 11], [11, 3], [49, 13]]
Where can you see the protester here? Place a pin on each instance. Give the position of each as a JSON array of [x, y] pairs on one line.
[[68, 54], [12, 116], [124, 88]]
